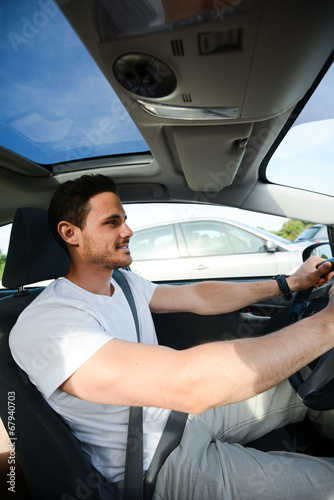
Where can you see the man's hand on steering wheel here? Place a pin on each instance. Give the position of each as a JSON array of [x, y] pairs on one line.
[[315, 272]]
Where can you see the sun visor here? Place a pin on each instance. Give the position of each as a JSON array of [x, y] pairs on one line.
[[210, 156]]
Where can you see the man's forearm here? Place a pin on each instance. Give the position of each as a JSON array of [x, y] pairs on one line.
[[219, 297], [202, 377], [240, 369], [238, 295], [211, 297]]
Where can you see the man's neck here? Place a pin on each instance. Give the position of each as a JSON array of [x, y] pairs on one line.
[[94, 281]]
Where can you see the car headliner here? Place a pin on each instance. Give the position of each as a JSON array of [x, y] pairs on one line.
[[282, 48]]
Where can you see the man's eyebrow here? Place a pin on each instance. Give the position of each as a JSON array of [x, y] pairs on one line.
[[116, 216]]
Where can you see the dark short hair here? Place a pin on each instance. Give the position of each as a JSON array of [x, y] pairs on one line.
[[71, 201]]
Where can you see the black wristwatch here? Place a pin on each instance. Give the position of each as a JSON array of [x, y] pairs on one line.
[[284, 287]]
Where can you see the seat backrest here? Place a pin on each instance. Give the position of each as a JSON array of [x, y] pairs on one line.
[[54, 465]]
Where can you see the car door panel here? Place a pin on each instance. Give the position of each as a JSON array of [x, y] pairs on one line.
[[183, 330], [230, 266], [219, 249], [162, 269], [287, 262]]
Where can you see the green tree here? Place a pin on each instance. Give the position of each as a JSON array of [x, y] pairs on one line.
[[2, 263], [292, 228]]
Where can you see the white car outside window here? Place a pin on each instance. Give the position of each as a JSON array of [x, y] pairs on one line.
[[211, 249]]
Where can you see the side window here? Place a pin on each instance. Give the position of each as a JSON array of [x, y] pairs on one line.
[[154, 243], [324, 251], [322, 234], [4, 239], [244, 241], [206, 238]]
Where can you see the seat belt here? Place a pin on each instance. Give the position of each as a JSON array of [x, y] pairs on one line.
[[171, 436], [134, 467], [169, 440]]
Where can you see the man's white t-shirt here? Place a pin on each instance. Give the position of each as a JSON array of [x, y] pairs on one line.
[[60, 330]]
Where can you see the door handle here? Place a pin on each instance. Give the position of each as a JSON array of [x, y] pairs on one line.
[[251, 316], [200, 267]]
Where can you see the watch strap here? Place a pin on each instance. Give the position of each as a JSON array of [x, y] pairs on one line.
[[284, 287]]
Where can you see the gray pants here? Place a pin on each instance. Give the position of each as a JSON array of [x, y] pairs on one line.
[[210, 463]]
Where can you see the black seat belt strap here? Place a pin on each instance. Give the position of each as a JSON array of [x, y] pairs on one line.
[[171, 436], [122, 282], [134, 468], [169, 440]]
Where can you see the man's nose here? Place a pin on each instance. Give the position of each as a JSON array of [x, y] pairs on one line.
[[126, 231]]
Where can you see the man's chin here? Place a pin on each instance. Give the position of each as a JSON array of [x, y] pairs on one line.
[[125, 262]]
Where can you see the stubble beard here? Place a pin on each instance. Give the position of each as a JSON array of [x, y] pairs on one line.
[[105, 258]]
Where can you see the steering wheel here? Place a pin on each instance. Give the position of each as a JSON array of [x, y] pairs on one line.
[[315, 388]]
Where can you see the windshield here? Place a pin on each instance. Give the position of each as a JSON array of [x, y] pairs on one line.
[[56, 105], [309, 232]]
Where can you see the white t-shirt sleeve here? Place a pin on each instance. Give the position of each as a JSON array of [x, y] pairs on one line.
[[64, 338], [64, 327]]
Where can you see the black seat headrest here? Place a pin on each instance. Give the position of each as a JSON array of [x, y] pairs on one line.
[[33, 253]]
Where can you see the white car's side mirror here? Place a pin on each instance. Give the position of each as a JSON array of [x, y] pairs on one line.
[[271, 246]]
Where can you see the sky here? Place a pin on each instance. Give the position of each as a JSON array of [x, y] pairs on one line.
[[71, 111], [306, 158]]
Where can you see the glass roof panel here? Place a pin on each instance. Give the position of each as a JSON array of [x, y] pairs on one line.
[[56, 105]]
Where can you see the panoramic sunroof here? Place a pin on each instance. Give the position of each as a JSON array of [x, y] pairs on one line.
[[56, 105]]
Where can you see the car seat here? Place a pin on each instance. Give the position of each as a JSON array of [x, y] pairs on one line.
[[53, 463]]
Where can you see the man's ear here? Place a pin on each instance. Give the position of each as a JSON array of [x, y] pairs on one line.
[[68, 232]]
